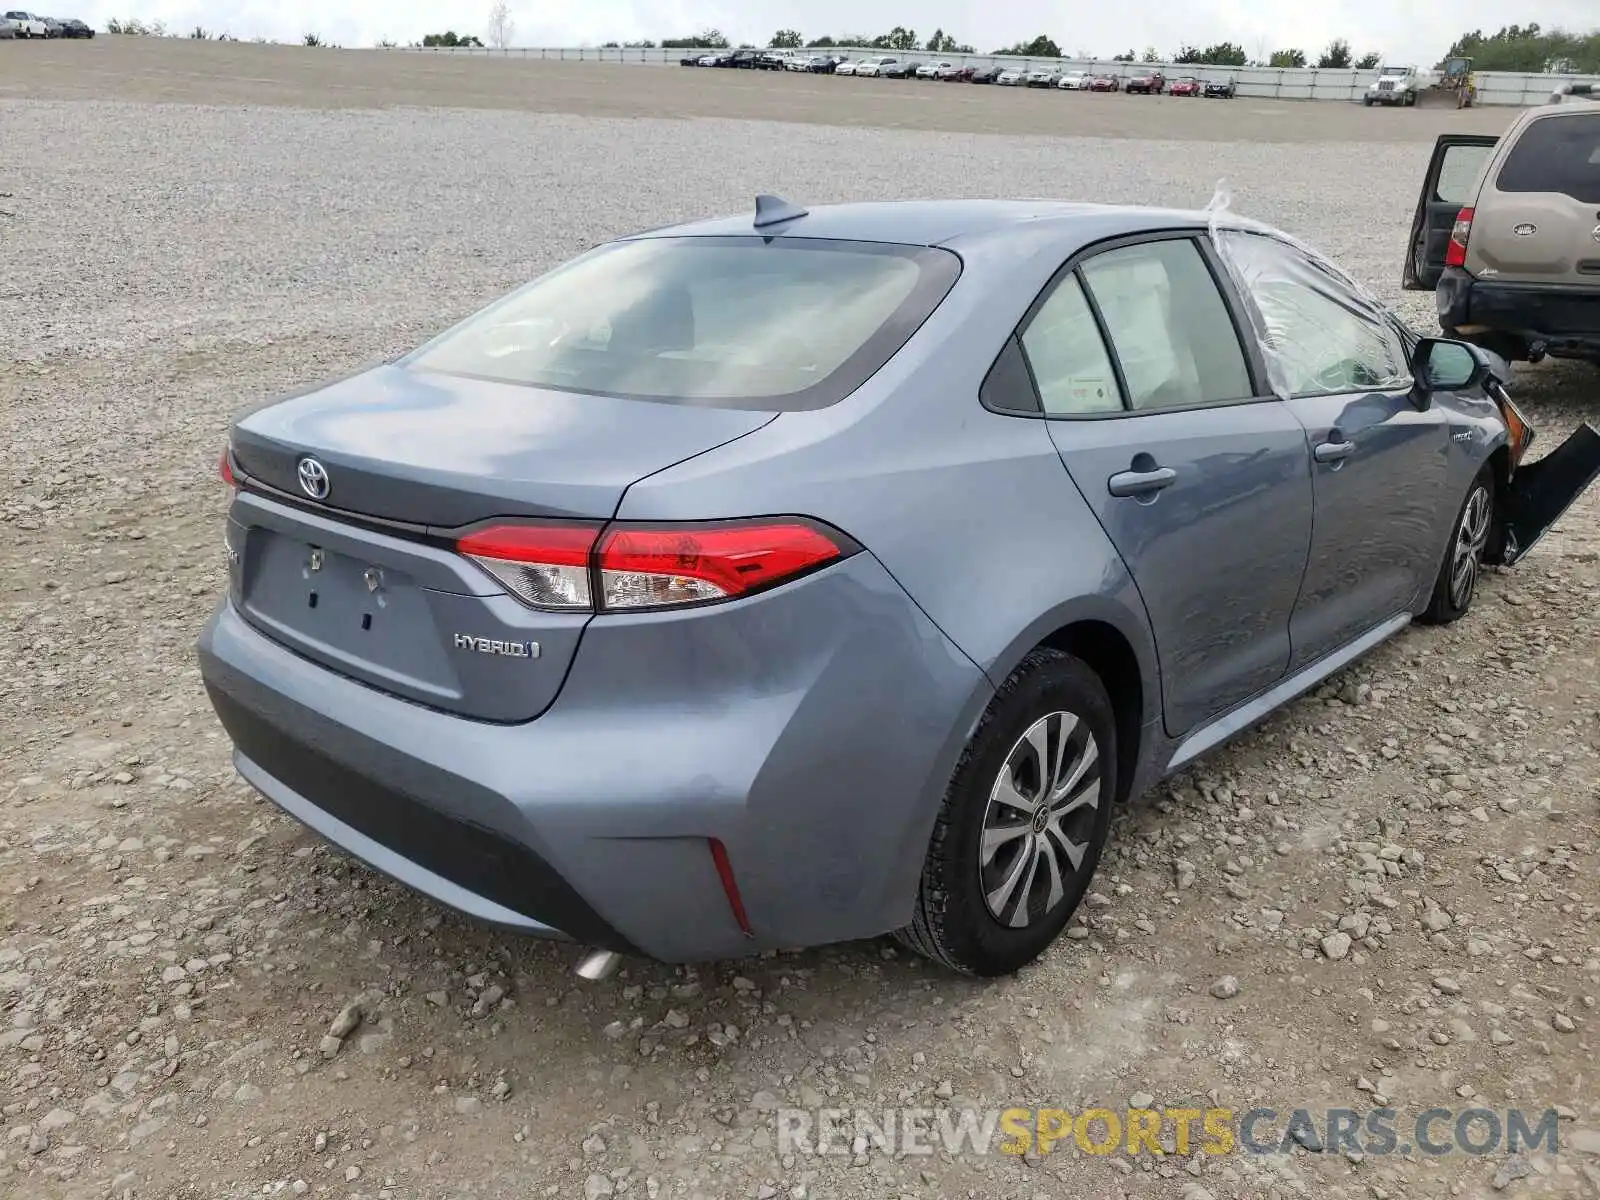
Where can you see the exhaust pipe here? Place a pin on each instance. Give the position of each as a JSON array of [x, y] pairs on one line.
[[599, 965]]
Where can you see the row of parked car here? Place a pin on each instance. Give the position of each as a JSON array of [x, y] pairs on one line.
[[20, 24], [889, 66]]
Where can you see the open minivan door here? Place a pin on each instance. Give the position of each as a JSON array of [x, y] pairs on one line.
[[1450, 185]]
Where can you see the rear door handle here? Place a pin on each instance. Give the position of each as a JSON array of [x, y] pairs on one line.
[[1141, 483], [1334, 451]]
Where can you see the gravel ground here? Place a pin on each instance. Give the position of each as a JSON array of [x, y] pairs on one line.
[[1387, 894]]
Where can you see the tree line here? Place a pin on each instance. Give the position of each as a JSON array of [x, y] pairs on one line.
[[1514, 48], [1531, 49], [1222, 54]]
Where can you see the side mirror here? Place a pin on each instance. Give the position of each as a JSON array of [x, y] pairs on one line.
[[1497, 369], [1443, 365]]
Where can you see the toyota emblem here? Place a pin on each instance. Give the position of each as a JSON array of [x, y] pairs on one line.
[[313, 479]]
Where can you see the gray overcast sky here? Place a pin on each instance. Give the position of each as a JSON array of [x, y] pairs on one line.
[[1404, 30]]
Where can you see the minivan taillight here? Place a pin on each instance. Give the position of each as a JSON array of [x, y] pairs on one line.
[[1455, 254], [571, 567], [225, 468]]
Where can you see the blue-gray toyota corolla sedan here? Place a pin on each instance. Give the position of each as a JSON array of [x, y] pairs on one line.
[[806, 576]]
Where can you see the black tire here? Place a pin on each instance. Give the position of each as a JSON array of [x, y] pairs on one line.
[[1470, 536], [953, 923]]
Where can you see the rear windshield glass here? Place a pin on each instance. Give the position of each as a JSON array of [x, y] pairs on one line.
[[738, 322], [1556, 154]]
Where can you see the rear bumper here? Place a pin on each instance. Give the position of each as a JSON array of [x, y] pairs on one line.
[[811, 730], [1566, 319]]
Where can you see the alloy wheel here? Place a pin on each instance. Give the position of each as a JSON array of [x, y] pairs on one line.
[[1038, 824], [1472, 533]]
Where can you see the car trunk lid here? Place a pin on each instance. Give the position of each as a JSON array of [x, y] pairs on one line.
[[365, 578], [431, 449]]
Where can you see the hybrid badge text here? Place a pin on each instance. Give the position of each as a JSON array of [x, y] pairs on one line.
[[489, 646]]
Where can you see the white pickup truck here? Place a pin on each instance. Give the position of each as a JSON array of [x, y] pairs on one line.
[[26, 24], [1395, 85]]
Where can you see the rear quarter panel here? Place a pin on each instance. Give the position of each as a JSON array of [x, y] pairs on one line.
[[971, 511]]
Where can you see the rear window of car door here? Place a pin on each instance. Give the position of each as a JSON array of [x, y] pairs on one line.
[[1559, 153], [1168, 325]]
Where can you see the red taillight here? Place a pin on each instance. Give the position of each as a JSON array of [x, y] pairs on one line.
[[651, 567], [225, 468], [1455, 254], [648, 566], [545, 566]]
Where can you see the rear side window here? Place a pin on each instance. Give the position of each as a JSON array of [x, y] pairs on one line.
[[1458, 171], [1070, 365], [1559, 153], [1169, 326], [738, 322]]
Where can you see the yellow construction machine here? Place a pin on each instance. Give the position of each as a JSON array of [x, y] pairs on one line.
[[1455, 87]]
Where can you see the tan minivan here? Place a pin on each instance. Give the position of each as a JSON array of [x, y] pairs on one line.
[[1507, 233]]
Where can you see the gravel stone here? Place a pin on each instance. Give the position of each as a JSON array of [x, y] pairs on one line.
[[345, 1023]]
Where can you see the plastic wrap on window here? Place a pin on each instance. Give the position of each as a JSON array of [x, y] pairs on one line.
[[1282, 291]]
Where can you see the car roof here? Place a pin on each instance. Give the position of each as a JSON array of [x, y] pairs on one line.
[[1575, 105], [936, 222], [1525, 119]]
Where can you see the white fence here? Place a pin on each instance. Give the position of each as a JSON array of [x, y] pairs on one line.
[[1275, 83]]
